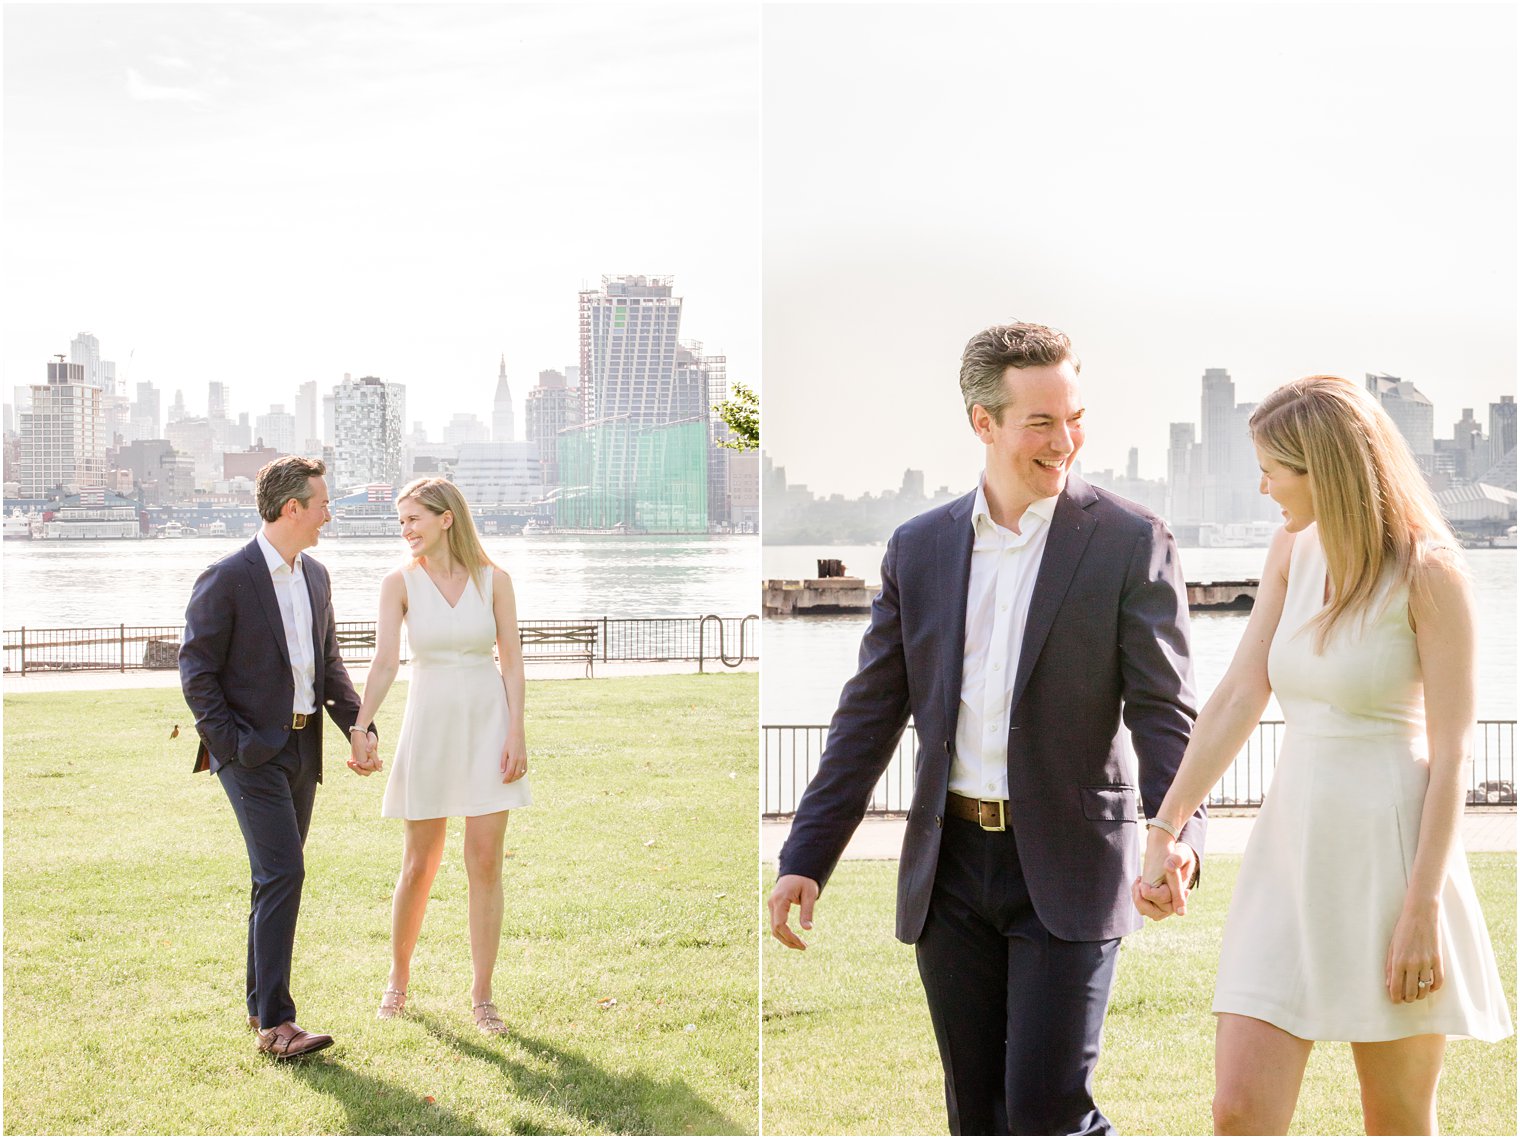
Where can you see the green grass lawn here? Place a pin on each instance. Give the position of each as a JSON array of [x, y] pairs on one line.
[[849, 1048], [632, 877]]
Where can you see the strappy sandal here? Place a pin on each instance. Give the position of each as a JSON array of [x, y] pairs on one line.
[[488, 1020], [392, 1004]]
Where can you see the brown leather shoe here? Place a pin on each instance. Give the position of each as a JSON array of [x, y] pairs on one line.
[[290, 1040]]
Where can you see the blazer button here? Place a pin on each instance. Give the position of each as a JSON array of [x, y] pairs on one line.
[[939, 821], [285, 727], [947, 747]]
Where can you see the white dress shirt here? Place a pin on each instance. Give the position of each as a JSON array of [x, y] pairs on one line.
[[295, 615], [1004, 566]]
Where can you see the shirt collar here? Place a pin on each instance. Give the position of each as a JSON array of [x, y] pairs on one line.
[[272, 556], [1041, 510]]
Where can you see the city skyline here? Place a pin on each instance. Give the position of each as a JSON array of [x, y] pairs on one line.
[[274, 195], [1152, 467], [1277, 190]]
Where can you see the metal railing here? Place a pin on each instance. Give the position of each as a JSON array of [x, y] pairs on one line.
[[729, 641], [790, 754]]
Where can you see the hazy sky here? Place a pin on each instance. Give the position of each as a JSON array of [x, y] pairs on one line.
[[270, 194], [1273, 189]]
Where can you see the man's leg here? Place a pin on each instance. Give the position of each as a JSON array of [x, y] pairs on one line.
[[268, 802], [963, 961], [1057, 996]]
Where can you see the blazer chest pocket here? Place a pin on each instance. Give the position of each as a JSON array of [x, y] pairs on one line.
[[1116, 803]]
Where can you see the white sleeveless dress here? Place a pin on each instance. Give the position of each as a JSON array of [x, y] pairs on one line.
[[448, 756], [1323, 878]]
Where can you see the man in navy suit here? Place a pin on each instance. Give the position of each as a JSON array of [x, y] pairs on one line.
[[258, 665], [1019, 626]]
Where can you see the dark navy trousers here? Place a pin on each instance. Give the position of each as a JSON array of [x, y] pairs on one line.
[[273, 803], [1018, 1013]]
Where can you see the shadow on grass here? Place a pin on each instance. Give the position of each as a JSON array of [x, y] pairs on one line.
[[378, 1107], [603, 1101]]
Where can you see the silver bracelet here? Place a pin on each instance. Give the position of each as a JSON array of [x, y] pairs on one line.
[[1163, 825], [357, 728]]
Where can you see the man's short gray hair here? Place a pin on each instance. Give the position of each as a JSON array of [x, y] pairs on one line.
[[990, 353]]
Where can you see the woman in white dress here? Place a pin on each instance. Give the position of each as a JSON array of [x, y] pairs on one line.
[[462, 749], [1354, 917]]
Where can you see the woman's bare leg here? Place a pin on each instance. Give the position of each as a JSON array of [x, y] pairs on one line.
[[484, 838], [1257, 1072]]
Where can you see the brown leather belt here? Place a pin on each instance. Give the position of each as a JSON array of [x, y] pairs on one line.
[[298, 720], [989, 814]]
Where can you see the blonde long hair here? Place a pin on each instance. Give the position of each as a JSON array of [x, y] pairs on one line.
[[1375, 513], [438, 496]]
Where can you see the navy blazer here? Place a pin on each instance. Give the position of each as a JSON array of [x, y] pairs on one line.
[[1106, 637], [234, 663]]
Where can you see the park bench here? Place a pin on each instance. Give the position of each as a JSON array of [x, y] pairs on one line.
[[559, 642]]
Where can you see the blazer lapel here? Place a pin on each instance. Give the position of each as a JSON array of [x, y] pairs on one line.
[[316, 594], [1070, 530], [955, 578], [263, 588]]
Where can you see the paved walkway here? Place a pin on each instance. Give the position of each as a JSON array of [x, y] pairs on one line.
[[93, 681], [1486, 829]]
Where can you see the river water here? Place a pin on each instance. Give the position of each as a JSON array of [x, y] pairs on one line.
[[808, 659], [555, 576]]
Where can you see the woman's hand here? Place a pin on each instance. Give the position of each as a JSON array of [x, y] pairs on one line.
[[364, 752], [1414, 954], [514, 757]]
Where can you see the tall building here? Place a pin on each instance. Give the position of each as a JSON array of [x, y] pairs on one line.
[[1184, 460], [642, 457], [1411, 412], [277, 429], [1217, 426], [308, 419], [552, 406], [1501, 426], [503, 420], [177, 409], [63, 447], [145, 413], [367, 418], [629, 331], [216, 400], [84, 349]]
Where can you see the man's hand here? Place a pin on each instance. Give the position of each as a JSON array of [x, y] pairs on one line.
[[364, 753], [790, 890], [1162, 888]]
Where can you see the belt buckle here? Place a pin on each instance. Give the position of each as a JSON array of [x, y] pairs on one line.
[[297, 720], [981, 814]]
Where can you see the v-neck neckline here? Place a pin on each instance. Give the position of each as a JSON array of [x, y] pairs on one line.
[[444, 597]]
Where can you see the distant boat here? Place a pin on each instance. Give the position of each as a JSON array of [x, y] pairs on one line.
[[534, 526], [174, 529], [218, 529], [1506, 540], [18, 525]]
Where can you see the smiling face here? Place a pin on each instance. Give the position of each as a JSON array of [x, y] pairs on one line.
[[1289, 489], [1030, 449], [306, 521], [424, 532]]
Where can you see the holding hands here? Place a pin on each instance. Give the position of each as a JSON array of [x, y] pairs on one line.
[[365, 751], [1162, 888]]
